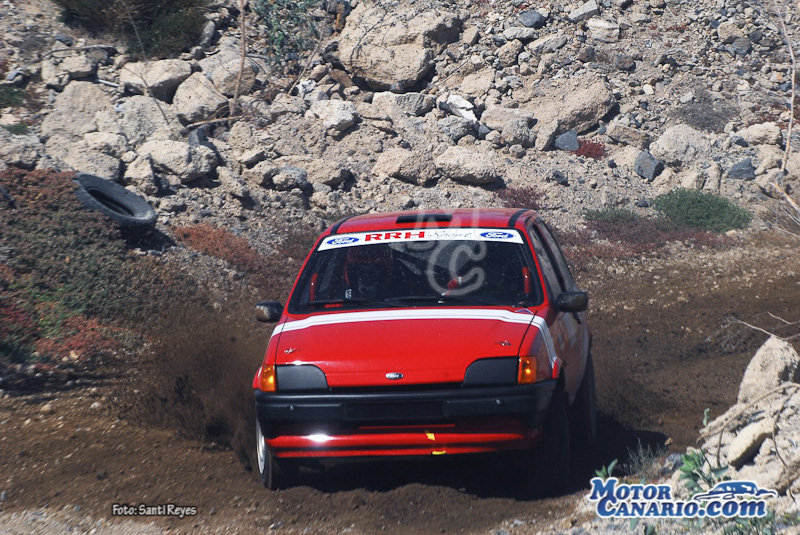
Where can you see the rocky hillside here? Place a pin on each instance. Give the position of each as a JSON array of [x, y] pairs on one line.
[[412, 106]]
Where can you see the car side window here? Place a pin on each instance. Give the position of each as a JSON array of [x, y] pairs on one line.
[[552, 280], [561, 262]]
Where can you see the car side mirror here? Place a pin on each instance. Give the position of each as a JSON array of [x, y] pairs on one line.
[[572, 301], [268, 311]]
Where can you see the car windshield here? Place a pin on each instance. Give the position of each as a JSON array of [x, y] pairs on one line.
[[434, 267]]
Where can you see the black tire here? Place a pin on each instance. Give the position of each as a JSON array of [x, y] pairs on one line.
[[583, 413], [121, 205], [547, 468], [553, 455], [274, 473]]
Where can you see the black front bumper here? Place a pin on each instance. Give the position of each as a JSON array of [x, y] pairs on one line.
[[529, 402]]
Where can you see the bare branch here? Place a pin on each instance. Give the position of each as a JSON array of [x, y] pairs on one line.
[[734, 320], [243, 30], [781, 19]]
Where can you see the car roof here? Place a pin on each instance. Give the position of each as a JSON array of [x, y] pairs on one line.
[[461, 217]]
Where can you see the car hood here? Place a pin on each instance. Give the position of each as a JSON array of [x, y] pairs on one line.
[[432, 345]]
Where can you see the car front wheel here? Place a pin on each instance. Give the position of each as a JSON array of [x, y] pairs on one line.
[[273, 472], [548, 466], [583, 413]]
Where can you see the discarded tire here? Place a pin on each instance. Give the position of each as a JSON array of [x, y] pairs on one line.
[[121, 205]]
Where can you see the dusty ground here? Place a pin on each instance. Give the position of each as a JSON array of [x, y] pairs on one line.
[[662, 356]]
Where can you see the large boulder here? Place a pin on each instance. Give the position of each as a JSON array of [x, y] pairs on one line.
[[465, 165], [319, 170], [628, 135], [514, 123], [394, 49], [74, 110], [575, 108], [141, 117], [681, 145], [197, 99], [92, 155], [761, 134], [223, 68], [20, 151], [179, 159], [416, 167], [158, 78], [776, 362]]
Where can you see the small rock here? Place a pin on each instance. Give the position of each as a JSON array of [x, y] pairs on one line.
[[648, 166], [623, 62], [547, 44], [456, 127], [606, 31], [587, 54], [747, 442], [585, 11], [567, 141], [531, 18], [459, 106], [743, 170], [547, 135], [470, 36], [517, 151], [47, 408], [628, 135], [410, 103], [742, 46], [337, 114], [643, 203], [520, 33], [559, 178]]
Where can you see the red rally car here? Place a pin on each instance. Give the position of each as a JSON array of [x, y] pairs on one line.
[[428, 333]]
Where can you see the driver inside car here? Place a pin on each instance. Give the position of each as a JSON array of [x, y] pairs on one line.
[[367, 272]]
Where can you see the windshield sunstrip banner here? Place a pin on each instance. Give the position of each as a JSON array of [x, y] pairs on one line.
[[412, 235]]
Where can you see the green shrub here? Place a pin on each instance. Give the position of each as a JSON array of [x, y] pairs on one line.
[[17, 129], [10, 96], [289, 27], [164, 27], [702, 210]]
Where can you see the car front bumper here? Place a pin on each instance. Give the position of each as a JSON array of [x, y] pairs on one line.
[[417, 422]]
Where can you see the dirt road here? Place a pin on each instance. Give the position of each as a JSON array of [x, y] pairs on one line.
[[661, 355]]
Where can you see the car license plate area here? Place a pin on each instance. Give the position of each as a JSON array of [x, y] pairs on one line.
[[394, 410]]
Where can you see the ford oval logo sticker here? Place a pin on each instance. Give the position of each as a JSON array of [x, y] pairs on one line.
[[342, 240], [394, 376], [497, 235]]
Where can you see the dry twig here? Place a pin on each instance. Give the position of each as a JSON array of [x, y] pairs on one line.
[[243, 30], [780, 13]]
